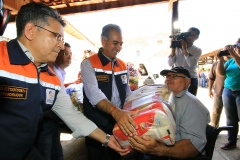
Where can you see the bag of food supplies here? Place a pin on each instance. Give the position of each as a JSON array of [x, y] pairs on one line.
[[160, 90], [155, 120]]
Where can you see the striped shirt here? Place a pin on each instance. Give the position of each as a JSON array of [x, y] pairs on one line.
[[90, 84]]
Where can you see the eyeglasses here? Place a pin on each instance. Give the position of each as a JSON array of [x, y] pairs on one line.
[[173, 76], [66, 54], [58, 36]]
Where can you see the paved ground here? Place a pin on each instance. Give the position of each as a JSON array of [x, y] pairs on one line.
[[76, 150]]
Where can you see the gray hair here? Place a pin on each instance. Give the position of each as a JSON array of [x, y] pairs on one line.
[[106, 30]]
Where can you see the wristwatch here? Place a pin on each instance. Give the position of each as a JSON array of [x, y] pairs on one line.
[[105, 144]]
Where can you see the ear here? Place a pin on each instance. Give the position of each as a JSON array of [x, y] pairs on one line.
[[103, 40], [188, 82], [29, 31]]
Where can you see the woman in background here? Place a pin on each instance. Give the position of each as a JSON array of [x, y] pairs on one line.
[[231, 92]]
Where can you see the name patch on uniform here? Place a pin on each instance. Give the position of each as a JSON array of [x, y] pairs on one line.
[[13, 92], [124, 78], [50, 94], [103, 78]]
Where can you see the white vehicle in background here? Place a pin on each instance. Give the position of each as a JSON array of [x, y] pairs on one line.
[[149, 74]]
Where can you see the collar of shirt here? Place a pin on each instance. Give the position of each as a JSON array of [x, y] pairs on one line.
[[29, 54], [179, 95], [105, 60], [61, 71]]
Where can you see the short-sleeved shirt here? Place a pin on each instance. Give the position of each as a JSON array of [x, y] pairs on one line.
[[218, 80], [232, 80], [191, 118]]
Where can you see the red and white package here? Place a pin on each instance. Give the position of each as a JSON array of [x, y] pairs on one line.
[[155, 120], [160, 90], [141, 102]]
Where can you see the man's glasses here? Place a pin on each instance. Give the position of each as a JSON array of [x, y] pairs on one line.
[[58, 36], [66, 54], [173, 76]]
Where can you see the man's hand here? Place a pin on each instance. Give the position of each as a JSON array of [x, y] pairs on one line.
[[184, 47], [115, 145], [173, 52], [210, 93], [147, 144], [125, 122], [184, 44]]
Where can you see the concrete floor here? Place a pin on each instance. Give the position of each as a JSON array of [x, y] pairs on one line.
[[76, 150]]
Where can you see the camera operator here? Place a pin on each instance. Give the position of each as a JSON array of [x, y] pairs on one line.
[[187, 56]]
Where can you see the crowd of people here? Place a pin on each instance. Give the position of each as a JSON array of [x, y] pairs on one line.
[[33, 96], [203, 77]]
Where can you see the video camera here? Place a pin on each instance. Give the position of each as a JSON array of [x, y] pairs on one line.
[[226, 52], [176, 39]]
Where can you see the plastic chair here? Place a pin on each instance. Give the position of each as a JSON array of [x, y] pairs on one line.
[[212, 134]]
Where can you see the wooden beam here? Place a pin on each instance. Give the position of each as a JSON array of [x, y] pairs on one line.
[[98, 6], [67, 3], [104, 5], [13, 5], [213, 53]]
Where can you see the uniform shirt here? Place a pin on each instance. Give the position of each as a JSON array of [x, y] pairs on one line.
[[93, 93], [188, 62], [63, 107], [191, 118], [30, 90]]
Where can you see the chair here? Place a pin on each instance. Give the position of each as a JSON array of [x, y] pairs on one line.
[[212, 134]]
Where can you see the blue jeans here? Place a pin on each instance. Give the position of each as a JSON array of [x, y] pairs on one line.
[[48, 140], [203, 82], [193, 86], [231, 103]]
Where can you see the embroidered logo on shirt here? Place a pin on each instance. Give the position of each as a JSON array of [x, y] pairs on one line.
[[13, 92], [124, 78], [50, 94], [103, 78]]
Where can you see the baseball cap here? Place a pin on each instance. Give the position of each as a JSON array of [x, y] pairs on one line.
[[176, 70]]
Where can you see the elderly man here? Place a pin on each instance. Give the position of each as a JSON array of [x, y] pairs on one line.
[[191, 118]]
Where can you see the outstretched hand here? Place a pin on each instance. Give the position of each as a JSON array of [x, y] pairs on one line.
[[125, 121], [115, 145]]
